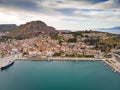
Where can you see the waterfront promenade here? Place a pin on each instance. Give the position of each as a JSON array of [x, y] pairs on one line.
[[63, 59], [73, 59]]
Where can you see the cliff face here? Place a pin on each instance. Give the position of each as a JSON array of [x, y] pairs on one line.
[[32, 28], [7, 27]]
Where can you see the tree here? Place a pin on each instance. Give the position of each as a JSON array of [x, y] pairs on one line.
[[72, 40], [57, 54]]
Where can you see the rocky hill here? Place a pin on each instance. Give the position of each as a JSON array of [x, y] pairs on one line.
[[30, 29], [7, 27]]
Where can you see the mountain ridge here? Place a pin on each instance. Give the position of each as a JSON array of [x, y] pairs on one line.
[[7, 27]]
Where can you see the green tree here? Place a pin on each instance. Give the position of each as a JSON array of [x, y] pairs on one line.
[[72, 40]]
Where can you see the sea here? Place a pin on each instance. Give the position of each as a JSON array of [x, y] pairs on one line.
[[59, 75]]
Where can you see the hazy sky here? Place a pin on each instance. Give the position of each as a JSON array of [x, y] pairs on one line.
[[62, 14]]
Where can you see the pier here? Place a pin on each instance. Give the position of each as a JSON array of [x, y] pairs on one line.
[[114, 64]]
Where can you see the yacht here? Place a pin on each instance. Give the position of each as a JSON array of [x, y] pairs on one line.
[[7, 64]]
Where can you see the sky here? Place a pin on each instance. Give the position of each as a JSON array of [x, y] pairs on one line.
[[62, 14]]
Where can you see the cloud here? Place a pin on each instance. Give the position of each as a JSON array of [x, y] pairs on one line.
[[62, 4], [111, 4], [90, 1], [22, 4], [62, 14]]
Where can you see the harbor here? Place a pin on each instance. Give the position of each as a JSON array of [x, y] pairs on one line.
[[4, 60], [61, 75], [113, 63]]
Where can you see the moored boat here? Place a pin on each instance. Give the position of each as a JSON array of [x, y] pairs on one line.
[[7, 64]]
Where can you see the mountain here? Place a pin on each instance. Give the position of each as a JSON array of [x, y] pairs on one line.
[[7, 27], [30, 29], [113, 28]]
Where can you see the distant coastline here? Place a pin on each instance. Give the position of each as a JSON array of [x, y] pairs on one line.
[[111, 31]]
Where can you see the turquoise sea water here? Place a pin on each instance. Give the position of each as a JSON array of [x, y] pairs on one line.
[[59, 75]]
